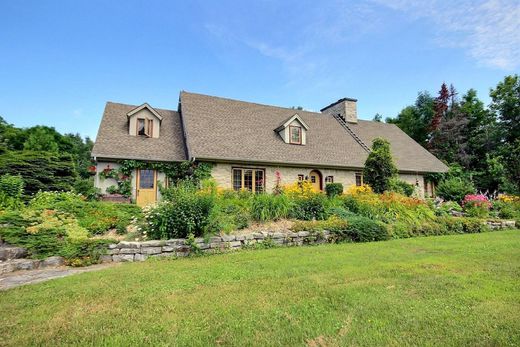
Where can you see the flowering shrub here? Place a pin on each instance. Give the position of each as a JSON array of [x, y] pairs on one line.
[[476, 205], [357, 190], [508, 198], [299, 189]]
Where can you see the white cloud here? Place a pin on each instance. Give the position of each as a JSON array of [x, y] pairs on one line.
[[489, 30]]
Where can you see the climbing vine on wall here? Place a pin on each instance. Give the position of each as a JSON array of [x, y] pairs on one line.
[[182, 171]]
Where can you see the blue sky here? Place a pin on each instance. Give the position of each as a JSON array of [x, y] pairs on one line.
[[60, 61]]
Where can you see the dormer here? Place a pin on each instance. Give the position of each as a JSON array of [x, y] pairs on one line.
[[293, 131], [144, 121]]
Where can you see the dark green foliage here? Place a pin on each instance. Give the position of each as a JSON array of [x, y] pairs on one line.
[[415, 120], [333, 189], [399, 186], [506, 104], [310, 207], [186, 213], [361, 229], [40, 170], [11, 190], [484, 141], [379, 166], [268, 207], [454, 189], [85, 187]]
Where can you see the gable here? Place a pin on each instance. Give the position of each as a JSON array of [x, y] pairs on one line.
[[147, 113]]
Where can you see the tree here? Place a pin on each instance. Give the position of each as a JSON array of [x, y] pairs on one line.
[[506, 104], [415, 120], [379, 166], [41, 139], [378, 118]]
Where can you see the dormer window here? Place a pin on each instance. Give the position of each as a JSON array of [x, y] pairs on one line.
[[293, 130], [144, 121], [295, 135], [144, 127]]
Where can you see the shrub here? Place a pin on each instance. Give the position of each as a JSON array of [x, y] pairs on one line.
[[476, 205], [399, 186], [310, 207], [333, 189], [188, 212], [445, 208], [265, 207], [362, 229], [333, 224], [96, 216], [299, 189], [454, 189], [379, 166], [40, 170], [86, 188], [11, 190]]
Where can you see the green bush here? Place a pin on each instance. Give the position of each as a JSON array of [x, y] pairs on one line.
[[379, 166], [96, 216], [313, 206], [454, 189], [85, 187], [362, 229], [267, 207], [40, 170], [445, 208], [399, 186], [11, 190], [187, 212], [333, 189], [333, 224]]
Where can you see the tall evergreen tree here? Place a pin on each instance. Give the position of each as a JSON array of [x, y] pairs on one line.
[[379, 166]]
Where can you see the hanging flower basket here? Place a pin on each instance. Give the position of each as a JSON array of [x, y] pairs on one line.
[[92, 170]]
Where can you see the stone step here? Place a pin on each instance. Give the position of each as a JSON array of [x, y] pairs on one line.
[[12, 252], [29, 264]]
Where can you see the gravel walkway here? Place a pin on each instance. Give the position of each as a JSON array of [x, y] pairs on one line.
[[20, 278]]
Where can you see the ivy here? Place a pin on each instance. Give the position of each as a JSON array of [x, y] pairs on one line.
[[175, 172]]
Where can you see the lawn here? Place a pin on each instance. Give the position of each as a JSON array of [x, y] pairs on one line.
[[444, 290]]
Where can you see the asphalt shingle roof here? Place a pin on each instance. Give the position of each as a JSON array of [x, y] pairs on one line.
[[220, 129], [114, 141], [225, 129]]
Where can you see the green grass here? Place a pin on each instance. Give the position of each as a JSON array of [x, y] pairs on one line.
[[445, 290]]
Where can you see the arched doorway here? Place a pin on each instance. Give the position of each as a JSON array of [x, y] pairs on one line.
[[316, 180]]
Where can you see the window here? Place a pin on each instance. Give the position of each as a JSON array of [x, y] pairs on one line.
[[359, 179], [313, 179], [329, 179], [146, 179], [252, 180], [144, 127], [301, 177], [295, 134]]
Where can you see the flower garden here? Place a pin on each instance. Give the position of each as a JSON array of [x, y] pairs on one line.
[[70, 225]]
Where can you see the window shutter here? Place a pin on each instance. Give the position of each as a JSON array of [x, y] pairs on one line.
[[150, 127]]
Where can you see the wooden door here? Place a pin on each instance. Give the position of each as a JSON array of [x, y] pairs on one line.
[[146, 192], [315, 178]]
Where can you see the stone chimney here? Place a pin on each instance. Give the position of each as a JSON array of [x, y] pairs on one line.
[[346, 108]]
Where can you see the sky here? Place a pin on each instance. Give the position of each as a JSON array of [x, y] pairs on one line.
[[61, 61]]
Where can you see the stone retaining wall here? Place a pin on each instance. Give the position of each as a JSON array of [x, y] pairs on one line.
[[139, 251]]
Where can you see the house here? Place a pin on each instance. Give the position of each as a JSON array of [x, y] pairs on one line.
[[252, 146]]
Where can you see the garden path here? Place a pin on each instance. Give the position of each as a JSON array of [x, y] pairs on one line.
[[19, 278]]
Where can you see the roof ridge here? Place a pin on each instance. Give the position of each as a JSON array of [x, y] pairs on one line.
[[254, 103]]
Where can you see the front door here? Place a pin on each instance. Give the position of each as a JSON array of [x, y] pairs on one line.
[[315, 178], [146, 192]]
